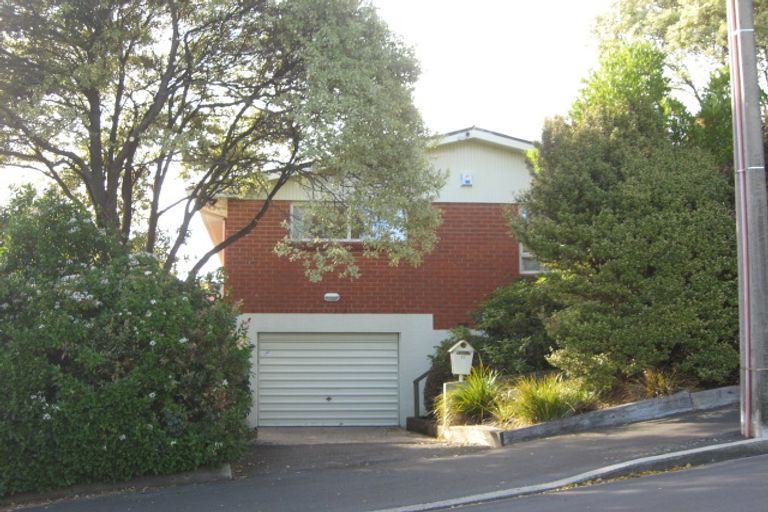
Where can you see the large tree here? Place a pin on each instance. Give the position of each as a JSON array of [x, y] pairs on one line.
[[635, 225], [112, 99], [693, 33]]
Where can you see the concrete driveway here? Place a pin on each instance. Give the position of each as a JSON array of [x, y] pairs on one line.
[[288, 450], [339, 435]]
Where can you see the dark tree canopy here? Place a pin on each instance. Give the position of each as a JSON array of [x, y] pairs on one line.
[[112, 99], [636, 226]]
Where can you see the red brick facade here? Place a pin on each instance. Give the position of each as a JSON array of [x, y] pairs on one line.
[[475, 255]]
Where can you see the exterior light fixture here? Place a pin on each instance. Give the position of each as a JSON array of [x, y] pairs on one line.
[[331, 297]]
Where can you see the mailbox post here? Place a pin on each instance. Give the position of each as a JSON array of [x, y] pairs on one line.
[[461, 359]]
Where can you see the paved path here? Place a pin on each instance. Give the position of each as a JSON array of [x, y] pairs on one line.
[[357, 477], [727, 486]]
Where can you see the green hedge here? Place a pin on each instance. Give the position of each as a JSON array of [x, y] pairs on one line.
[[110, 368]]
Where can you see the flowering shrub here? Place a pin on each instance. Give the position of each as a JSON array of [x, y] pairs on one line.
[[109, 367]]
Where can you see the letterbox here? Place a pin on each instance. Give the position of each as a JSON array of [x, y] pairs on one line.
[[461, 358]]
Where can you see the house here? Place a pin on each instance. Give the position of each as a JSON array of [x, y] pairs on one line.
[[345, 352]]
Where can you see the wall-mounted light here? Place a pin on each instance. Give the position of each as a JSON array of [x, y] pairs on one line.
[[331, 297]]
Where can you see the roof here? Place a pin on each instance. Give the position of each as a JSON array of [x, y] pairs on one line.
[[488, 136]]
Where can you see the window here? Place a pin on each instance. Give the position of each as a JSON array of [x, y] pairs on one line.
[[349, 226], [528, 262]]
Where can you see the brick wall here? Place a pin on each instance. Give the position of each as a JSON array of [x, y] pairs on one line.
[[475, 255]]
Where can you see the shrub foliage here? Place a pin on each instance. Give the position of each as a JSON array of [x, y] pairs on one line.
[[636, 227], [110, 368], [510, 336]]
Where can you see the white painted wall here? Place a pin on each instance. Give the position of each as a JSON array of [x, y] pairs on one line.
[[417, 341], [499, 174]]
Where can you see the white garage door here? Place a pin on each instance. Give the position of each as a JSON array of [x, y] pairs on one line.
[[327, 379]]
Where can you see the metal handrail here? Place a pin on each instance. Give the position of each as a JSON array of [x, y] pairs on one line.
[[416, 398]]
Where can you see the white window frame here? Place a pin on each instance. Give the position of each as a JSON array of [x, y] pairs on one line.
[[523, 255], [348, 238], [292, 229]]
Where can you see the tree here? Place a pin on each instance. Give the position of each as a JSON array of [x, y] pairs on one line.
[[635, 225], [109, 98], [690, 31]]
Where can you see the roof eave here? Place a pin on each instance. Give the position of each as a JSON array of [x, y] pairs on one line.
[[487, 136]]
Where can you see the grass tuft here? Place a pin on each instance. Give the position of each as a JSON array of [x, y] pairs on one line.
[[535, 399]]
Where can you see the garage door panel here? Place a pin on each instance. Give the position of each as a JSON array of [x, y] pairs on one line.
[[341, 372], [337, 391], [327, 337], [328, 354], [332, 408], [298, 372], [291, 401], [302, 418]]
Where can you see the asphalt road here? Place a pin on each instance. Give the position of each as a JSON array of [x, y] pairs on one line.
[[728, 486], [364, 477]]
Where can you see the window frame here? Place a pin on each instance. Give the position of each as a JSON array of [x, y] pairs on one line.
[[524, 254], [349, 229]]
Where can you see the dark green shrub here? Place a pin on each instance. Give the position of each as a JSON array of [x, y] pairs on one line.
[[510, 336], [637, 227], [110, 368], [515, 338]]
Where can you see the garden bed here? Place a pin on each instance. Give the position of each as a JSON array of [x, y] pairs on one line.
[[484, 435]]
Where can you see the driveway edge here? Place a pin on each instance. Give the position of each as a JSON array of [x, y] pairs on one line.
[[695, 456]]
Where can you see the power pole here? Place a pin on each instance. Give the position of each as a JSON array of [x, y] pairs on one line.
[[751, 220]]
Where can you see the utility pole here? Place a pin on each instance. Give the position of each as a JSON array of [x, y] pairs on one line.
[[751, 219]]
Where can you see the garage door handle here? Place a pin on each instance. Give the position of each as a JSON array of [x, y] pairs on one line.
[[328, 399]]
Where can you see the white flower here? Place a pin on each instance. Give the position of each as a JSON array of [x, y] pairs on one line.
[[183, 340], [121, 437], [152, 301], [47, 417], [104, 447], [173, 443], [147, 272], [152, 395], [218, 445], [225, 382], [104, 281], [152, 343], [148, 314]]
